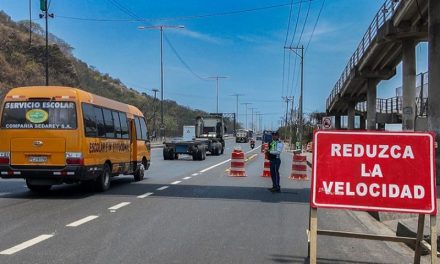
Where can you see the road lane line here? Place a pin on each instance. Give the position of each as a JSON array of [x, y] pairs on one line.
[[194, 174], [187, 178], [162, 188], [145, 195], [216, 165], [119, 205], [223, 162], [176, 182], [83, 221], [25, 244]]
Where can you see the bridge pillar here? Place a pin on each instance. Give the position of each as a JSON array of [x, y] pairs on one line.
[[351, 114], [433, 70], [337, 121], [362, 122], [409, 84], [371, 104]]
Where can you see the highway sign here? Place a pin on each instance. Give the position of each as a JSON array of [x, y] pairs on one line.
[[326, 122], [375, 171]]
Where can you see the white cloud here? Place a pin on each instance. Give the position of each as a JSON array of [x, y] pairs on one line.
[[200, 36]]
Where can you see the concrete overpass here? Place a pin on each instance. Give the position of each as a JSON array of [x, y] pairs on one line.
[[392, 36]]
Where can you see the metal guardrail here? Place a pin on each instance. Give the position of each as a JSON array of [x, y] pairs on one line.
[[393, 105], [385, 12]]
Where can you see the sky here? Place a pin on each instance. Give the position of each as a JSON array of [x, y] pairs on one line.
[[241, 40]]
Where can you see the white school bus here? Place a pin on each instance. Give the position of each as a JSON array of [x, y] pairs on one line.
[[52, 135]]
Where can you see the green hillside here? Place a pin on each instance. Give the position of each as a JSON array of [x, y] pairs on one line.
[[22, 64]]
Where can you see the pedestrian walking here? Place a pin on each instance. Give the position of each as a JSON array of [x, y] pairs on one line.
[[274, 152]]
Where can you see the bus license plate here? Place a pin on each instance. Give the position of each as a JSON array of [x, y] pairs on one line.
[[37, 159]]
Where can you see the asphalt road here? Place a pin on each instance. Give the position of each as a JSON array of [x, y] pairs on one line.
[[184, 212]]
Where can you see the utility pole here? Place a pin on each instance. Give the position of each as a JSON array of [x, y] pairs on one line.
[[216, 78], [236, 110], [256, 121], [246, 124], [287, 99], [300, 52], [45, 8], [252, 115], [161, 28], [154, 112]]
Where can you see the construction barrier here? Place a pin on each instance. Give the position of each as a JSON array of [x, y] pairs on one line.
[[266, 168], [237, 164], [264, 147], [299, 167]]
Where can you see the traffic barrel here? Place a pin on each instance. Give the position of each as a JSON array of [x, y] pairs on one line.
[[264, 147], [237, 164], [266, 168], [299, 167]]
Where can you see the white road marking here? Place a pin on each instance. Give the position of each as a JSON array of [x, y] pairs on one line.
[[194, 174], [176, 182], [216, 165], [162, 188], [145, 195], [119, 205], [83, 221], [187, 178], [223, 162], [26, 244]]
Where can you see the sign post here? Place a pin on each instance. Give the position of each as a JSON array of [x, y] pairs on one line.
[[374, 171]]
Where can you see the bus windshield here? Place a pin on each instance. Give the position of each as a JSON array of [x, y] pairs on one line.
[[39, 115]]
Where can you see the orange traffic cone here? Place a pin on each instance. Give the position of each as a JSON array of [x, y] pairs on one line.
[[266, 169], [237, 164], [299, 167]]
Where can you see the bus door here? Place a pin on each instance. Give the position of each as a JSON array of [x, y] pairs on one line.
[[133, 144]]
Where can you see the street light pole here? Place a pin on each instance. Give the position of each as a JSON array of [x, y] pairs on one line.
[[45, 8], [252, 116], [216, 78], [161, 28], [246, 104], [236, 112], [154, 112]]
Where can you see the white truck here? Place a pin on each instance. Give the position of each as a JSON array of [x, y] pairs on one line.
[[206, 136]]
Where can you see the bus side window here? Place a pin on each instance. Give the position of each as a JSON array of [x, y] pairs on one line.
[[100, 121], [89, 120], [137, 124], [144, 129], [109, 125], [124, 125], [117, 124]]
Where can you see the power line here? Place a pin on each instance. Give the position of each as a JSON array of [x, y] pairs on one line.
[[296, 23], [182, 61], [314, 27], [291, 42], [124, 9], [285, 42], [288, 23], [305, 22], [137, 18]]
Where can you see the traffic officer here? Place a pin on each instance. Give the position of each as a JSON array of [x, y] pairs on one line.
[[274, 152]]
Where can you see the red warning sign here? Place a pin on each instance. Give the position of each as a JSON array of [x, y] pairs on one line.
[[375, 171]]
